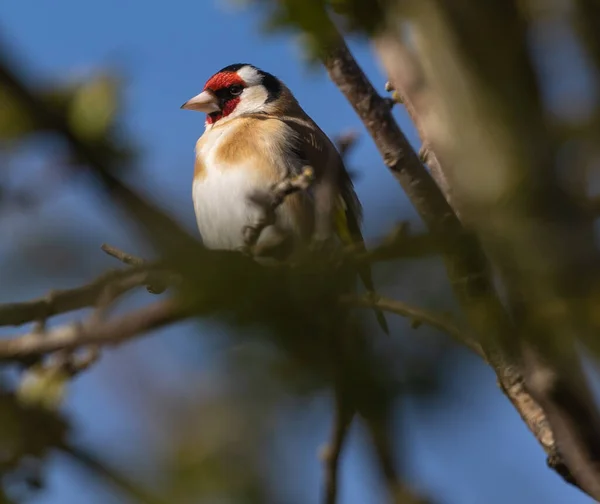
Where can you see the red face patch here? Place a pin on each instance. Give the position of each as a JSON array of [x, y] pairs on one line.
[[219, 84], [223, 80]]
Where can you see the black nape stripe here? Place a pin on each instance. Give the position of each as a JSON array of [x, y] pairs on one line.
[[271, 83], [235, 67]]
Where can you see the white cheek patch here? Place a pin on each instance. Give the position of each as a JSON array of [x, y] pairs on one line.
[[252, 100], [250, 76]]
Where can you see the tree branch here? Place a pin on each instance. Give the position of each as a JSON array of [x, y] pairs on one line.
[[103, 161], [407, 82], [417, 316], [99, 468], [477, 92], [63, 301], [467, 266], [124, 257], [103, 332]]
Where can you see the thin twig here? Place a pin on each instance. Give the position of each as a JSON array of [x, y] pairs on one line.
[[416, 315], [75, 363], [157, 284], [270, 200], [124, 257], [63, 301]]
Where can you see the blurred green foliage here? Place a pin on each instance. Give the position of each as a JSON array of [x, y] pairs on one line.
[[28, 433], [43, 386], [91, 106]]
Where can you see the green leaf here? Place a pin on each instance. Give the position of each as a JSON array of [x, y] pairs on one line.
[[43, 387], [94, 107]]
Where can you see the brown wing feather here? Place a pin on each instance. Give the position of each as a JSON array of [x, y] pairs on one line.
[[316, 150], [354, 219]]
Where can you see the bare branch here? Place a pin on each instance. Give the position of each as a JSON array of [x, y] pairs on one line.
[[417, 316], [400, 492], [62, 301], [159, 282], [112, 331], [394, 147], [467, 266], [103, 160], [124, 257], [402, 67], [409, 88]]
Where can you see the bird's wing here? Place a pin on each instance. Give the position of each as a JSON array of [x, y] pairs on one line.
[[311, 145], [348, 223], [314, 148]]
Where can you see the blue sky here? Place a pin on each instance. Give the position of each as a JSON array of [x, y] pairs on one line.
[[469, 449]]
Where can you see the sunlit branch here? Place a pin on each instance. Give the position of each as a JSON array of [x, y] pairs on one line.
[[104, 332]]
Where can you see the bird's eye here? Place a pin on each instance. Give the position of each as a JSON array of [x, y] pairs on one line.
[[236, 89]]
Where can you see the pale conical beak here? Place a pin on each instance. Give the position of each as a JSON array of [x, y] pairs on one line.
[[204, 102]]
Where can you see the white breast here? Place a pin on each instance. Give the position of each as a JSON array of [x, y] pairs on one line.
[[221, 200]]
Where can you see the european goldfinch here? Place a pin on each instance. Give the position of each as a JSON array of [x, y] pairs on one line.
[[256, 134]]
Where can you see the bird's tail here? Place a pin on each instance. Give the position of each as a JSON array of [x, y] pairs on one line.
[[365, 276], [348, 229]]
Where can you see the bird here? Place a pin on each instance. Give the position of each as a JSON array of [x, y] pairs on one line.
[[257, 134]]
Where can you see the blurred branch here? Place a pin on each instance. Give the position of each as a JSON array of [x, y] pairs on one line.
[[407, 83], [97, 467], [467, 266], [345, 142], [102, 159], [157, 284], [491, 111], [587, 13], [399, 490], [342, 419], [417, 317], [144, 273], [62, 301], [395, 149], [592, 205], [400, 243]]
